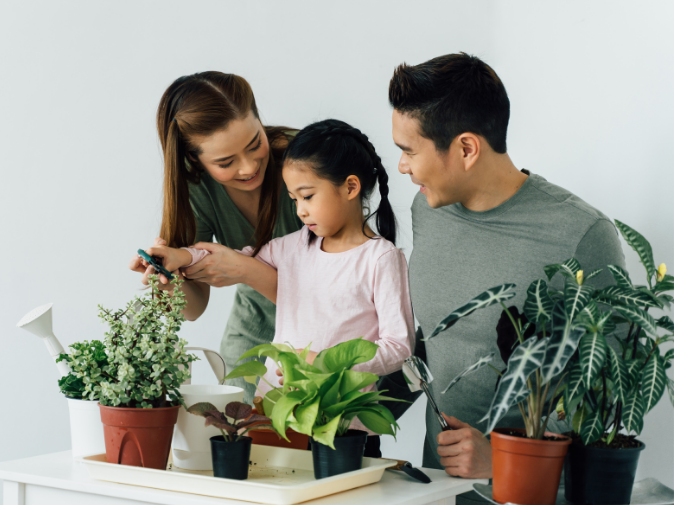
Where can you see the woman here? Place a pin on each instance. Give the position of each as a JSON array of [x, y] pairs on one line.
[[221, 180]]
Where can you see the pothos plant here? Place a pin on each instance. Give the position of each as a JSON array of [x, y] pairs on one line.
[[561, 336], [86, 361], [320, 399], [243, 419], [146, 358], [613, 387]]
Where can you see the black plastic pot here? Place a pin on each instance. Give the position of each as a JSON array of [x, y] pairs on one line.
[[594, 476], [230, 459], [345, 457]]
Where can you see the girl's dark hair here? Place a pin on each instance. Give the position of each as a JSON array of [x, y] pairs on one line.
[[337, 150], [199, 105]]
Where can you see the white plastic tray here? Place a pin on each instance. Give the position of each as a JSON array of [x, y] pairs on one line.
[[277, 476]]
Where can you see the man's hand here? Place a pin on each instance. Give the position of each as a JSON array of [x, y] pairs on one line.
[[464, 451]]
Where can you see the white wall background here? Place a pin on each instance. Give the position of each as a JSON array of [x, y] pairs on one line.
[[590, 86]]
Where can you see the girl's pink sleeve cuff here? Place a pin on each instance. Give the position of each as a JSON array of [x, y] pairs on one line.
[[197, 254]]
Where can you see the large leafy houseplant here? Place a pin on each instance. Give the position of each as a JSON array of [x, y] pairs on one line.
[[320, 399], [146, 358]]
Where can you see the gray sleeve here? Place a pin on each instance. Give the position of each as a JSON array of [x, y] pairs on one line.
[[598, 248]]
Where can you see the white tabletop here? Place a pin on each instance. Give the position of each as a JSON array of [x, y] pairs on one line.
[[59, 471]]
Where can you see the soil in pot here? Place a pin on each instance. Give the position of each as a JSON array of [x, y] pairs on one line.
[[230, 459], [526, 471], [345, 457], [599, 475], [270, 438], [138, 437]]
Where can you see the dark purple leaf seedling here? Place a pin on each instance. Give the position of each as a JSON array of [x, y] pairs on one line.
[[241, 414]]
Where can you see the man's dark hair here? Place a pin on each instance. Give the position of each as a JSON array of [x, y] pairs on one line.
[[451, 95]]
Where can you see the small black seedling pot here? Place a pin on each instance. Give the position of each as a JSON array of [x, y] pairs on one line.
[[597, 476], [345, 457], [230, 459]]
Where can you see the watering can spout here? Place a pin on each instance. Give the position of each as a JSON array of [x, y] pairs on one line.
[[39, 322]]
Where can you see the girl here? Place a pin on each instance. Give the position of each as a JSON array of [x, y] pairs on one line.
[[334, 280], [221, 180]]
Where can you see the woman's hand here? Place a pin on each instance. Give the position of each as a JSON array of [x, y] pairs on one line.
[[223, 267], [138, 264]]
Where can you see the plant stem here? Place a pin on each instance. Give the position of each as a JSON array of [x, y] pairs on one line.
[[552, 401], [603, 402]]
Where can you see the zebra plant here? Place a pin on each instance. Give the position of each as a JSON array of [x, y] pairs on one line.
[[614, 387], [560, 339]]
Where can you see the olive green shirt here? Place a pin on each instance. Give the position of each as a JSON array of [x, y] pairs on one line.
[[252, 319]]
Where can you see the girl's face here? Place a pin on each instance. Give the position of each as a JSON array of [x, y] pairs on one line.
[[237, 156], [322, 206]]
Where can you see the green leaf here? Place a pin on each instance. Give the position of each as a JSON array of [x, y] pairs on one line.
[[576, 297], [347, 354], [305, 416], [592, 428], [633, 413], [575, 389], [248, 368], [578, 419], [670, 389], [284, 409], [326, 434], [331, 396], [374, 421], [669, 355], [663, 286], [538, 304], [653, 382], [633, 367], [562, 344], [354, 381], [512, 388], [483, 300], [483, 361], [640, 318], [593, 274], [615, 295], [619, 375], [268, 350], [592, 350], [568, 269], [642, 247], [622, 278], [666, 323], [270, 400]]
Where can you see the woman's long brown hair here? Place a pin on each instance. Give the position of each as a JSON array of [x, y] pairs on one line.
[[199, 105]]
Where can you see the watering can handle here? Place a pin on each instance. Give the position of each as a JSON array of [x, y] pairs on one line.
[[216, 361]]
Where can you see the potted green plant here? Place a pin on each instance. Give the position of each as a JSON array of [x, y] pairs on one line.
[[231, 450], [81, 387], [322, 399], [147, 363], [612, 387]]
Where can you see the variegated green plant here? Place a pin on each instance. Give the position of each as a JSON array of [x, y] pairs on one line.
[[614, 387], [320, 399], [604, 388]]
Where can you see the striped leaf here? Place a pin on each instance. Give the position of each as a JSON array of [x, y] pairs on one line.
[[576, 298], [619, 375], [592, 350], [633, 367], [569, 269], [562, 344], [642, 247], [669, 355], [578, 419], [538, 305], [633, 413], [670, 390], [615, 295], [666, 323], [622, 278], [490, 297], [592, 428], [653, 382], [593, 274], [663, 286], [483, 361], [640, 318], [512, 388], [666, 300], [575, 389]]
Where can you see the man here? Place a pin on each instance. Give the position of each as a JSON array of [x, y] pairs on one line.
[[478, 222]]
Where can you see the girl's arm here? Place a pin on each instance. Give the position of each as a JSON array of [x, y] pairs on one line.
[[394, 311]]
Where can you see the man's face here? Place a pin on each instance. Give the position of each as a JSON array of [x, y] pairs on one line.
[[440, 175]]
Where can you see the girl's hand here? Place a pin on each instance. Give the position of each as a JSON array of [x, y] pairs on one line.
[[137, 264], [223, 267]]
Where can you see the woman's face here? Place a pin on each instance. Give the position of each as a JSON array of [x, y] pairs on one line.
[[237, 156]]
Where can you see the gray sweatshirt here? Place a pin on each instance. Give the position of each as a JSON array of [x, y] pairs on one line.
[[459, 253]]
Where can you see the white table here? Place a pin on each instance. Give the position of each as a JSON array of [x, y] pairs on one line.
[[56, 479]]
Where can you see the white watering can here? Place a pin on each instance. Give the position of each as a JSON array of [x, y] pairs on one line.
[[38, 322], [191, 439]]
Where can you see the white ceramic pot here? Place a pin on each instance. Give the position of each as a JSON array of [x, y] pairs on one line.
[[191, 444], [86, 429]]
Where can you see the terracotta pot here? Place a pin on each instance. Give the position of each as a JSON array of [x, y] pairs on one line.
[[525, 471], [138, 437], [297, 440]]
